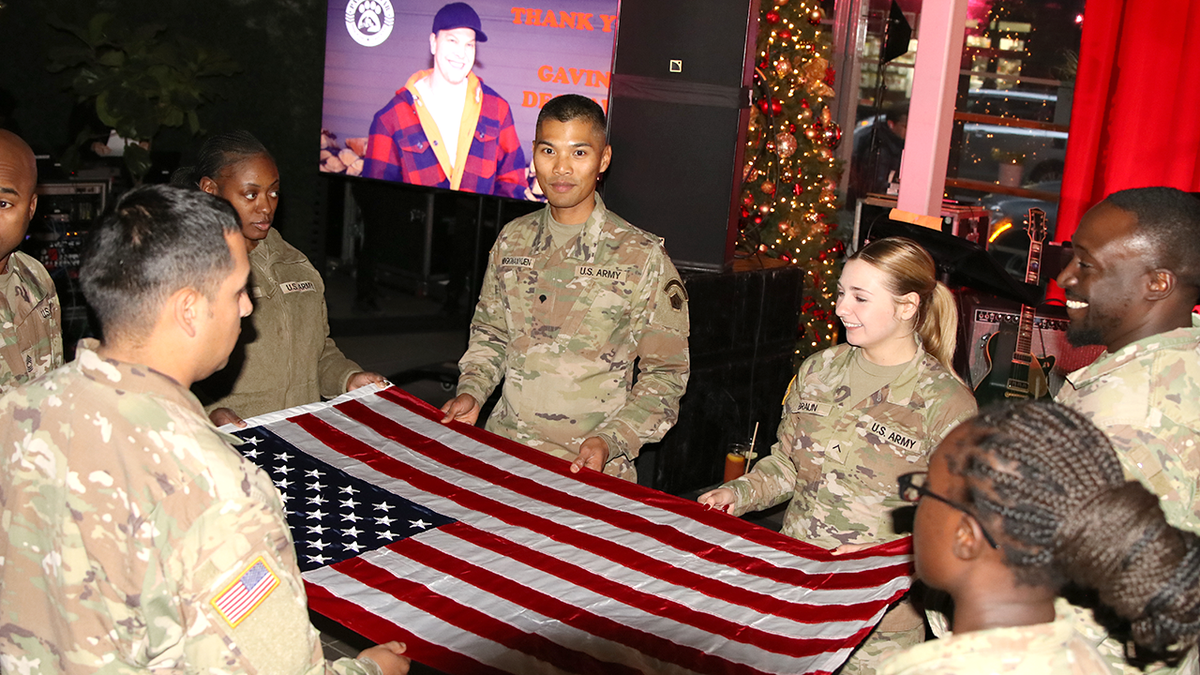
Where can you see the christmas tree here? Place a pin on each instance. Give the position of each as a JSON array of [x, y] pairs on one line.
[[790, 176]]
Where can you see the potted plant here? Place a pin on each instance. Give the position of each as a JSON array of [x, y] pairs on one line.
[[139, 80]]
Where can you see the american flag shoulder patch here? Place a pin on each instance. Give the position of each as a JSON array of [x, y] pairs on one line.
[[246, 593]]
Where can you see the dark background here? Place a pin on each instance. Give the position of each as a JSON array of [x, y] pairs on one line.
[[279, 45]]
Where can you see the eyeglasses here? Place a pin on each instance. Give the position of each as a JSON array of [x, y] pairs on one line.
[[912, 488]]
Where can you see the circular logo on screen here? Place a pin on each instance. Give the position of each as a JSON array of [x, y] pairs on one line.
[[370, 21]]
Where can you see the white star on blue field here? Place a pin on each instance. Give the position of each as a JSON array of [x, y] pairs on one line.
[[333, 516]]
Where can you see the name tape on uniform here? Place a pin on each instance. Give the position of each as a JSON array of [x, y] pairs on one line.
[[814, 408], [297, 286], [516, 261], [606, 273]]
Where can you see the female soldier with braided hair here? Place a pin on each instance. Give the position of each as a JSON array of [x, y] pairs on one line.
[[288, 359], [1022, 500]]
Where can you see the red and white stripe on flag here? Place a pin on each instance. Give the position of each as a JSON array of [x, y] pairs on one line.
[[246, 592], [543, 571]]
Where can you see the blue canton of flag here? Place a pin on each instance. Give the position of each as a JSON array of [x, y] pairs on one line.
[[333, 516]]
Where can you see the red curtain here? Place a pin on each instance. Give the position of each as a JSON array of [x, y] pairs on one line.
[[1135, 121]]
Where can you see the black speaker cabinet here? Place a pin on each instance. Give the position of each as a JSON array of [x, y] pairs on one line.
[[744, 330], [678, 109]]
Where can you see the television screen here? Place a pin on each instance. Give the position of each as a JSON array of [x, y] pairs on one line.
[[455, 108]]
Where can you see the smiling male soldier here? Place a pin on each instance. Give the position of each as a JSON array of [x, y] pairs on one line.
[[1131, 286], [572, 298]]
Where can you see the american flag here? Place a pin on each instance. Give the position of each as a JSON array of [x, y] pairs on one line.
[[486, 556]]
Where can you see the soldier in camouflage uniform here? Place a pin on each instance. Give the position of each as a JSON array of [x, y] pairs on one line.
[[573, 296], [288, 359], [1018, 503], [1131, 286], [857, 415], [136, 540], [30, 333]]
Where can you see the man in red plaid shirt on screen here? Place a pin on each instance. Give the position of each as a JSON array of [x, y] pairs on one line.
[[446, 128]]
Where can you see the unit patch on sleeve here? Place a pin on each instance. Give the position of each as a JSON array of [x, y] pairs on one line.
[[246, 593]]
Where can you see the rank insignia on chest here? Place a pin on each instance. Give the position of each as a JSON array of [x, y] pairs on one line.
[[676, 293]]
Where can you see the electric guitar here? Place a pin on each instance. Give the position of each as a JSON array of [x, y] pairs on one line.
[[1026, 375]]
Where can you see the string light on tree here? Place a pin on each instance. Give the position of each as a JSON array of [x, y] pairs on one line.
[[790, 175]]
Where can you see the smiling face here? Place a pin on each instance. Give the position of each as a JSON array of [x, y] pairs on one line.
[[453, 54], [568, 158], [252, 186], [874, 319], [1105, 281]]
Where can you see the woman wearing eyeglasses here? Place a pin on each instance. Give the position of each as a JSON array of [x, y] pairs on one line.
[[859, 414], [1017, 503]]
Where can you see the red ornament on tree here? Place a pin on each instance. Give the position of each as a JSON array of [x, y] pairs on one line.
[[797, 189], [776, 106], [772, 16], [785, 34]]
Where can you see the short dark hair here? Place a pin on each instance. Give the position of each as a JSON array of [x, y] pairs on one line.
[[218, 153], [573, 107], [156, 240], [1047, 481], [1170, 220]]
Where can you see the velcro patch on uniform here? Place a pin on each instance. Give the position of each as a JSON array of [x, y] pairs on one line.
[[606, 273], [246, 592], [516, 261], [676, 294], [297, 286], [895, 437], [813, 408]]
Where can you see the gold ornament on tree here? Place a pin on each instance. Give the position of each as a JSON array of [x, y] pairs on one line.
[[783, 67], [785, 144], [768, 187]]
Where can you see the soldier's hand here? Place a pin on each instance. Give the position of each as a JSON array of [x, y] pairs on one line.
[[463, 408], [223, 416], [593, 453], [362, 379], [721, 498], [388, 656], [849, 548]]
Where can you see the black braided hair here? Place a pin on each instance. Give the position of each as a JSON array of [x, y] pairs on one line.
[[1047, 479], [217, 154]]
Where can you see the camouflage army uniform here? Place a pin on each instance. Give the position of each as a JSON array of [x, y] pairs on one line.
[[284, 357], [563, 326], [1146, 397], [838, 459], [128, 518], [30, 332], [1041, 649]]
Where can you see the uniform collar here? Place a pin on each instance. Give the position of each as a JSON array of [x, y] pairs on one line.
[[900, 390], [133, 378], [585, 245], [1110, 362]]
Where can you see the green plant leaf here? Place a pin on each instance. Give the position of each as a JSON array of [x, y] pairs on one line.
[[137, 160]]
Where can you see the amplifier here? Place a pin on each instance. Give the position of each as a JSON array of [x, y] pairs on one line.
[[984, 316]]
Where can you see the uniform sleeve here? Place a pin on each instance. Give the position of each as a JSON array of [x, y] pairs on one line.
[[232, 546], [333, 368], [382, 159], [482, 366], [511, 177], [652, 407]]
